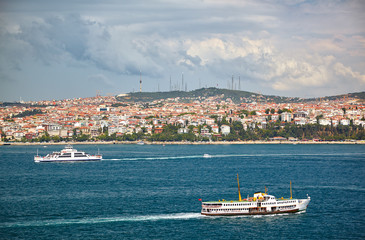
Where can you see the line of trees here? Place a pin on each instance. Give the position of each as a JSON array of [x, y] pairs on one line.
[[272, 129], [302, 132]]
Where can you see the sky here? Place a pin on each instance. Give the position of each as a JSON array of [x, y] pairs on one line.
[[74, 48]]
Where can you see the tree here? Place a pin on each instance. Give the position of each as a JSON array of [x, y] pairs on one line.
[[319, 117], [245, 112], [253, 113], [3, 136], [82, 138], [237, 126], [45, 137], [56, 138], [223, 122]]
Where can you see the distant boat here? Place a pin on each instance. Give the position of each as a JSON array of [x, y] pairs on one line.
[[68, 154], [207, 155], [140, 143], [259, 204]]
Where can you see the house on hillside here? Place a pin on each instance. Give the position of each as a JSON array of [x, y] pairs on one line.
[[286, 117], [183, 130], [204, 132], [225, 129], [158, 130]]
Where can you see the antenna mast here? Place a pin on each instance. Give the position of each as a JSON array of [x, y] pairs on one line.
[[239, 82], [140, 80], [232, 82]]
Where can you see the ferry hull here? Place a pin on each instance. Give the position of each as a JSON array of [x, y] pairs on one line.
[[71, 160], [39, 159], [250, 213]]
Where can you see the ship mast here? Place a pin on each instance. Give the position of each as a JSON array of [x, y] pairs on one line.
[[291, 193], [239, 191]]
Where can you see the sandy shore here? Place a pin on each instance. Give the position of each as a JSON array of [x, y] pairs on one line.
[[185, 143]]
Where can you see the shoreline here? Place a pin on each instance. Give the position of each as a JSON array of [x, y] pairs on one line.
[[181, 143]]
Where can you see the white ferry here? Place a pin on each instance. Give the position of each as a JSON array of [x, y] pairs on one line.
[[68, 154], [259, 204]]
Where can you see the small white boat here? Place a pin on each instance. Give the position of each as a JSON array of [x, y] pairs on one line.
[[259, 204], [207, 155], [140, 143], [68, 154]]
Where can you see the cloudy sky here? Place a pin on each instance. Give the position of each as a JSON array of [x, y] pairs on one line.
[[74, 48]]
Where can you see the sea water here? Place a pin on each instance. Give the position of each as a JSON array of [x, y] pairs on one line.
[[153, 192]]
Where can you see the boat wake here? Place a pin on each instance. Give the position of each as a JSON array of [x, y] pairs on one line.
[[55, 222], [213, 156], [151, 158]]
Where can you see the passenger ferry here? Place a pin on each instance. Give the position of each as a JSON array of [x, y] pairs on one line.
[[259, 204], [68, 154]]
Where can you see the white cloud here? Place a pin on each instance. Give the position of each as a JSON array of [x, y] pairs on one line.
[[215, 49], [283, 47], [344, 71]]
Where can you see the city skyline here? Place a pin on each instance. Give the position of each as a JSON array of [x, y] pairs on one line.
[[70, 49]]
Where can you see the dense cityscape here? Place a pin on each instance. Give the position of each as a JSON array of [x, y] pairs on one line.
[[199, 119]]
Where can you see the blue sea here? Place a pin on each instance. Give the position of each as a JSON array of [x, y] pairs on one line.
[[153, 192]]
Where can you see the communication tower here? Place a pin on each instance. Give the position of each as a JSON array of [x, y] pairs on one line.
[[140, 81], [232, 83], [239, 82]]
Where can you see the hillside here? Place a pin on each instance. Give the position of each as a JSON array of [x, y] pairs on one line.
[[235, 95], [357, 95]]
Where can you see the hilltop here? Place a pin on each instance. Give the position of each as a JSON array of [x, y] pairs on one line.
[[224, 94]]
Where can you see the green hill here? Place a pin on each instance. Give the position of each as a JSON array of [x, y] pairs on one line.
[[223, 94]]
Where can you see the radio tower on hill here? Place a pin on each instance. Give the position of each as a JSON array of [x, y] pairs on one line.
[[140, 80], [232, 83], [239, 83]]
